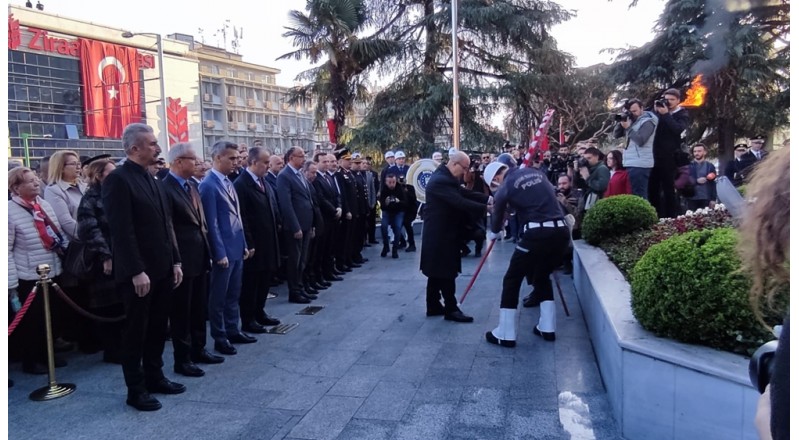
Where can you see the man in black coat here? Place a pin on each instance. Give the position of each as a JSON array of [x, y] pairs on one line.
[[447, 207], [359, 219], [190, 299], [673, 120], [330, 207], [260, 216], [313, 269], [349, 206], [147, 265]]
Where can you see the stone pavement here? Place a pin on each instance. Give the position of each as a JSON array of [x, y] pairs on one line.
[[370, 365]]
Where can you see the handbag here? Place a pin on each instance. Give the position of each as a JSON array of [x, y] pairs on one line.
[[78, 260]]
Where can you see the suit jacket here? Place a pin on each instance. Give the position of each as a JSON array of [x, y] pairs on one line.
[[296, 204], [318, 220], [361, 193], [142, 237], [225, 228], [271, 179], [326, 197], [349, 199], [191, 230], [260, 222]]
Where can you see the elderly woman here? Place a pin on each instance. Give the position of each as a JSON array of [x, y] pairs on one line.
[[94, 232], [34, 238]]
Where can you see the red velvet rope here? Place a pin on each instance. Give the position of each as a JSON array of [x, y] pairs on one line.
[[21, 313]]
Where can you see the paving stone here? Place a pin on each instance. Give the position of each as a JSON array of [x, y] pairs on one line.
[[327, 418], [426, 421], [358, 429], [388, 401]]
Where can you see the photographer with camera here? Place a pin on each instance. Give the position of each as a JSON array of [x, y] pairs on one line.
[[673, 120], [638, 126], [559, 164], [764, 246]]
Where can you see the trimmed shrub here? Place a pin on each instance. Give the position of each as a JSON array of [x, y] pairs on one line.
[[615, 216], [689, 288]]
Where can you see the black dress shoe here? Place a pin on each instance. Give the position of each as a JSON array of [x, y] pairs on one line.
[[310, 296], [457, 316], [324, 283], [411, 248], [253, 327], [143, 402], [310, 292], [337, 272], [189, 369], [299, 298], [267, 320], [343, 269], [318, 286], [241, 338], [332, 277], [548, 336], [166, 386], [496, 341], [204, 357], [225, 348], [531, 300], [355, 265]]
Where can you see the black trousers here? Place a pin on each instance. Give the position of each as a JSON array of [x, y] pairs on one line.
[[371, 225], [254, 288], [326, 243], [343, 243], [145, 333], [187, 317], [358, 231], [661, 190], [537, 254], [312, 268], [297, 250], [441, 287], [407, 223]]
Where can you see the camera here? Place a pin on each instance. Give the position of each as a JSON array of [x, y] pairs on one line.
[[761, 365], [661, 102], [583, 163], [622, 116]]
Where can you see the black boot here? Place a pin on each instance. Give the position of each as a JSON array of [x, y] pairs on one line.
[[394, 252], [478, 249], [411, 246], [384, 252]]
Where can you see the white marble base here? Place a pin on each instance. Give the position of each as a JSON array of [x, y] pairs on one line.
[[659, 388]]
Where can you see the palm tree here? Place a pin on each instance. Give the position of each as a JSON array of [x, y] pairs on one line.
[[329, 32]]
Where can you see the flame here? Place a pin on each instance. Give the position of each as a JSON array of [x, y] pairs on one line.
[[695, 96]]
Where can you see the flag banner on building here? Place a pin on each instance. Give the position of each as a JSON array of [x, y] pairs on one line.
[[111, 97]]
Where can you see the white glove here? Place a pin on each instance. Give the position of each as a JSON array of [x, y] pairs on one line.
[[494, 235]]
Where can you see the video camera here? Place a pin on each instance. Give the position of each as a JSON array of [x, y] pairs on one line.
[[623, 115], [661, 102]]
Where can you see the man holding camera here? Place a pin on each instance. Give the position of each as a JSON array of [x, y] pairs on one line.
[[672, 122], [595, 178], [639, 128], [559, 164]]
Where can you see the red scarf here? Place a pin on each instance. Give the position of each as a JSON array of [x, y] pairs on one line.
[[40, 220]]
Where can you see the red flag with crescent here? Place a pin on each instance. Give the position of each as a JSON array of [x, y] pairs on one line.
[[111, 96]]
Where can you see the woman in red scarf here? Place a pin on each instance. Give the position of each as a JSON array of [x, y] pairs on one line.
[[34, 238], [619, 182]]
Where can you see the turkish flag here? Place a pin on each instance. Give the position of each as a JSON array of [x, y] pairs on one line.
[[111, 98]]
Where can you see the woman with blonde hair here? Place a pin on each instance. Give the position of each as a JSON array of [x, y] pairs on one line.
[[34, 238], [764, 249], [65, 190]]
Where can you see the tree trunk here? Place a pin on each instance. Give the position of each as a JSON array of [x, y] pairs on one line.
[[726, 141]]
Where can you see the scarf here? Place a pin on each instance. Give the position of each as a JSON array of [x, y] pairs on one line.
[[48, 231]]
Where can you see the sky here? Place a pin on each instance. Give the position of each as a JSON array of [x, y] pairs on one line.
[[599, 24]]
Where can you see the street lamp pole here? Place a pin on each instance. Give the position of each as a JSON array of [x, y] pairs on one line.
[[161, 83]]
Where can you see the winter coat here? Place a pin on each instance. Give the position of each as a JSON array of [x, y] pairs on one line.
[[619, 184], [65, 198], [25, 248], [93, 228]]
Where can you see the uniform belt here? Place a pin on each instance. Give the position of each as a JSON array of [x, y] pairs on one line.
[[546, 224]]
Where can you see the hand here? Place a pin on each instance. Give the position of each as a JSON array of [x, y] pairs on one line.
[[490, 200], [561, 198], [298, 235], [491, 236], [223, 262], [584, 172], [712, 204], [348, 216], [763, 415], [141, 284], [625, 124], [177, 273], [249, 253], [107, 266], [338, 213], [662, 110], [701, 180]]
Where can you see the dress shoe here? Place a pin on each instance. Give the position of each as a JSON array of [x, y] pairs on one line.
[[384, 252], [343, 269], [267, 320], [322, 282], [355, 265], [310, 296], [496, 341], [271, 295], [241, 338], [411, 248], [531, 300], [548, 336], [189, 369], [299, 298], [204, 357], [337, 272], [457, 316], [333, 277], [225, 348], [166, 386], [318, 287], [310, 291], [253, 327], [62, 346], [143, 402]]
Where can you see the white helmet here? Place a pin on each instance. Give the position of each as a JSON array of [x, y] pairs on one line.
[[491, 171]]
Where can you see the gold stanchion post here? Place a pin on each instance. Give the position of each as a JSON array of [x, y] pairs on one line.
[[53, 390]]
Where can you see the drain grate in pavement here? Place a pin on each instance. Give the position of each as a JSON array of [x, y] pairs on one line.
[[282, 329], [310, 310]]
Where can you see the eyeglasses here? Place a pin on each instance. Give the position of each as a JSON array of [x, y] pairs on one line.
[[76, 164], [187, 158], [486, 157]]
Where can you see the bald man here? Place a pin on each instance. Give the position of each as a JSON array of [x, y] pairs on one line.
[[447, 205]]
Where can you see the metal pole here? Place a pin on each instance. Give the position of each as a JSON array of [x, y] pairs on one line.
[[25, 143], [161, 83], [456, 102]]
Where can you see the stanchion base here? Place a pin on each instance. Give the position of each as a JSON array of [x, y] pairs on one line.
[[51, 392]]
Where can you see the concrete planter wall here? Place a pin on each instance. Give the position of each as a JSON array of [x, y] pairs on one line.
[[659, 388]]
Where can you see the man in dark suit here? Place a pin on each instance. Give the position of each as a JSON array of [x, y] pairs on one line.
[[349, 205], [359, 216], [147, 265], [296, 208], [275, 166], [330, 206], [228, 249], [260, 215], [447, 207], [313, 273], [190, 299]]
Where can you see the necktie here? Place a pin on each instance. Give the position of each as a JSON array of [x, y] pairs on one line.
[[260, 184], [193, 195], [187, 187], [231, 192]]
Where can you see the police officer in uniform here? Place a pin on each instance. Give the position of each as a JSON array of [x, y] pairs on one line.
[[543, 242], [349, 206]]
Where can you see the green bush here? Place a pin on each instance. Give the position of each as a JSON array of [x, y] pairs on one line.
[[616, 216], [689, 288]]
